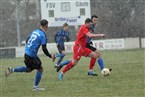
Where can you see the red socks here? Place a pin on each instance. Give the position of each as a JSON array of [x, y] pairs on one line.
[[70, 65], [92, 63], [67, 67]]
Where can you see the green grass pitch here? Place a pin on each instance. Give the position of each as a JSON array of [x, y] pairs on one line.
[[127, 78]]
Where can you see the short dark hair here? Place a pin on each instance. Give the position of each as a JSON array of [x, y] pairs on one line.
[[94, 16], [65, 24], [43, 22], [88, 20]]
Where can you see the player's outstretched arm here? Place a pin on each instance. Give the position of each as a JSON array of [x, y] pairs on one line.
[[95, 35]]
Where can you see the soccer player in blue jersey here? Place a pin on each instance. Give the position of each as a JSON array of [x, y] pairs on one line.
[[60, 37], [32, 61], [90, 46]]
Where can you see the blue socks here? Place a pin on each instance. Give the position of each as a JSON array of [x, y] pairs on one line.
[[60, 58], [65, 62], [101, 63], [24, 69], [20, 69], [59, 55], [38, 77]]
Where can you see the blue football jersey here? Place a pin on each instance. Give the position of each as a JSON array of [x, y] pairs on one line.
[[89, 40], [36, 38], [61, 36]]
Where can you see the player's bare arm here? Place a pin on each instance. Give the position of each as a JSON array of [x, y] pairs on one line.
[[95, 35]]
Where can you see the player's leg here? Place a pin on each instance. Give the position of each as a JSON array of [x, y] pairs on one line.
[[63, 64], [38, 77], [70, 65], [93, 55], [100, 60], [10, 70], [92, 61], [76, 57], [38, 74], [61, 54], [97, 55], [21, 68], [91, 66]]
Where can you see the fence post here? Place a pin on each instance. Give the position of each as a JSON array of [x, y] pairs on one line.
[[17, 22]]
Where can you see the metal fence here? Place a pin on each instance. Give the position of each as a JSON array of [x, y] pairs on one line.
[[117, 19]]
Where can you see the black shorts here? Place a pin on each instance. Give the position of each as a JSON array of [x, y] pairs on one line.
[[90, 47], [32, 62], [60, 48]]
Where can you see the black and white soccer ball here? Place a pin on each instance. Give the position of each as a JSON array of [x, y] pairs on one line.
[[106, 72]]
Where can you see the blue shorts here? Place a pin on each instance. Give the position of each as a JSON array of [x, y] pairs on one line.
[[60, 48]]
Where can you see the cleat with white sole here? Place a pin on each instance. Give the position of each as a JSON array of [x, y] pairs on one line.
[[36, 88], [8, 72]]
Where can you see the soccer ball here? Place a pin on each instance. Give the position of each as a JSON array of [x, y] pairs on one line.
[[106, 72]]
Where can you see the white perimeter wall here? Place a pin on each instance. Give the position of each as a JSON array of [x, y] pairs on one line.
[[143, 42], [107, 44]]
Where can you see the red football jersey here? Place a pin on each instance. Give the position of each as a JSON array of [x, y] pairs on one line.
[[81, 38]]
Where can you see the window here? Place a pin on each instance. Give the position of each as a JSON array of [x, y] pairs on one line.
[[82, 11], [51, 13]]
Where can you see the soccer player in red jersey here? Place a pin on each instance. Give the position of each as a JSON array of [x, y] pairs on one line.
[[79, 48]]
